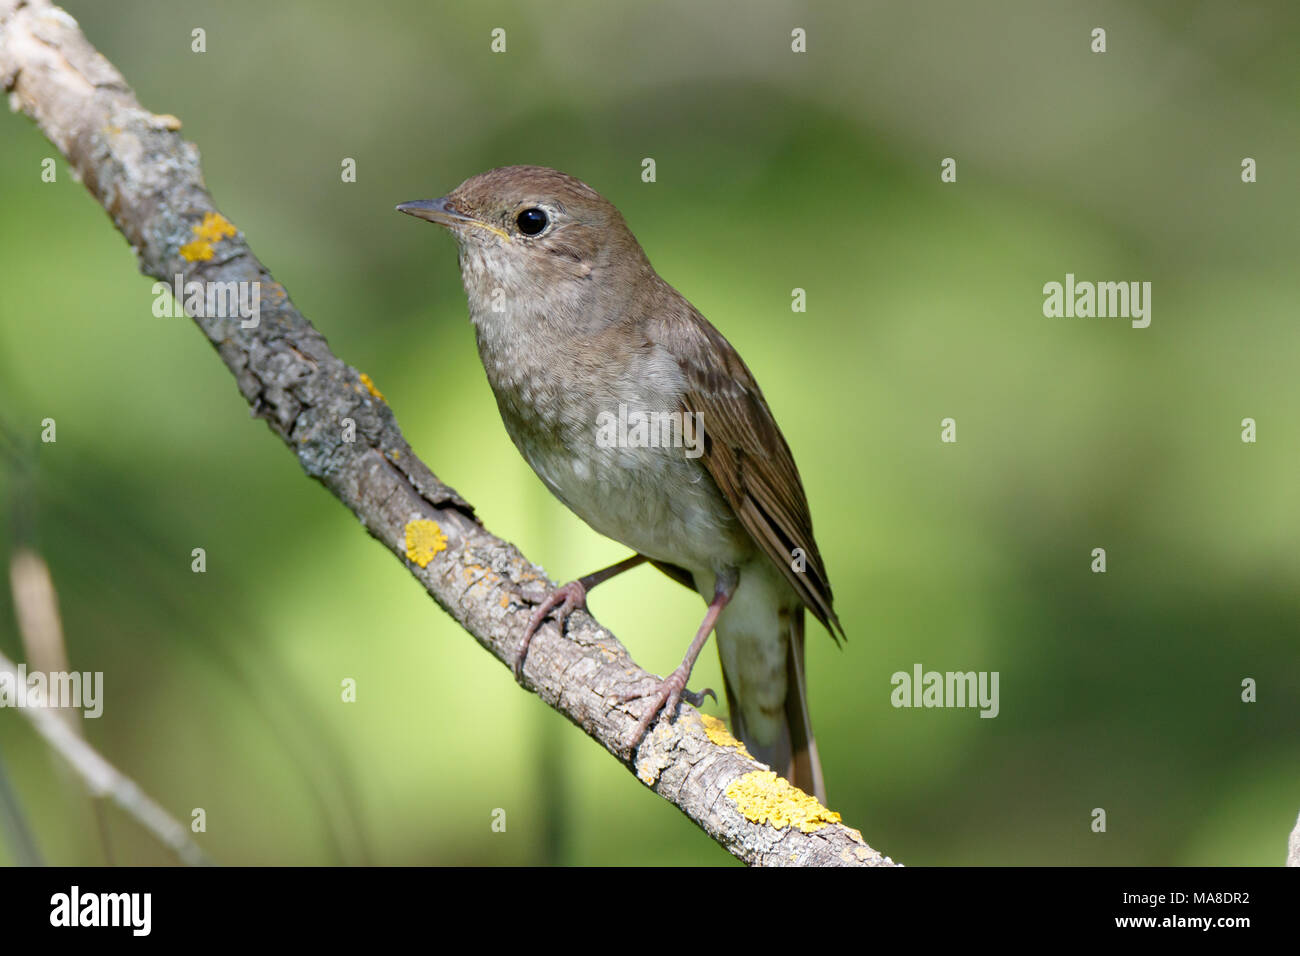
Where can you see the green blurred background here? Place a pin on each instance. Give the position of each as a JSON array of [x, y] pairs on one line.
[[774, 171]]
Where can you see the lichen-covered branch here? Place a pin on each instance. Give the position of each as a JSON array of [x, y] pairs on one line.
[[147, 177]]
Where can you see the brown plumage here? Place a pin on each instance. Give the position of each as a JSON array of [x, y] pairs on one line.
[[572, 324]]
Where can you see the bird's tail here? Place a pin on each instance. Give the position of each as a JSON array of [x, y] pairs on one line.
[[782, 739]]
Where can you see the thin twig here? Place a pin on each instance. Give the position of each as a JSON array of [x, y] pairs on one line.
[[100, 776]]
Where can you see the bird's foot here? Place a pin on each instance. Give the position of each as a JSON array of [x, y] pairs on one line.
[[564, 600], [664, 698]]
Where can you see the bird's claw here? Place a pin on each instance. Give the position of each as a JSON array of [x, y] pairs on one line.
[[664, 698], [564, 600], [696, 698]]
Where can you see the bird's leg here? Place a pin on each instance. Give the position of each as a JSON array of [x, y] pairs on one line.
[[670, 691], [568, 598]]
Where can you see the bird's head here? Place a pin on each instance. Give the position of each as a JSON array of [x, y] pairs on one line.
[[532, 235]]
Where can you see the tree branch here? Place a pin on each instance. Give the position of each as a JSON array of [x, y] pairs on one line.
[[148, 179], [101, 778]]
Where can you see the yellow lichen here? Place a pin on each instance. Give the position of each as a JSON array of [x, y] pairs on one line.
[[213, 228], [717, 731], [370, 386], [763, 797], [424, 539]]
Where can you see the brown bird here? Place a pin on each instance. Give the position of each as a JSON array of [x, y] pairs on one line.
[[639, 416]]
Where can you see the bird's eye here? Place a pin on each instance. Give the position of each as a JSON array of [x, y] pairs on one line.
[[532, 221]]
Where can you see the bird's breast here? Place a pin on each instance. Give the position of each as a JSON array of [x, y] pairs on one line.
[[605, 431]]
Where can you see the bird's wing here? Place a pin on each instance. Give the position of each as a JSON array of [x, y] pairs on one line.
[[746, 453]]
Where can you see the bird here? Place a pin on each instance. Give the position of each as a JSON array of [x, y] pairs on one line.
[[641, 418]]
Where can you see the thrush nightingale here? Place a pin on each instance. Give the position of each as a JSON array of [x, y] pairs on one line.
[[605, 377]]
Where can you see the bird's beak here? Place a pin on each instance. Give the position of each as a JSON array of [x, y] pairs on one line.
[[434, 210], [441, 212]]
